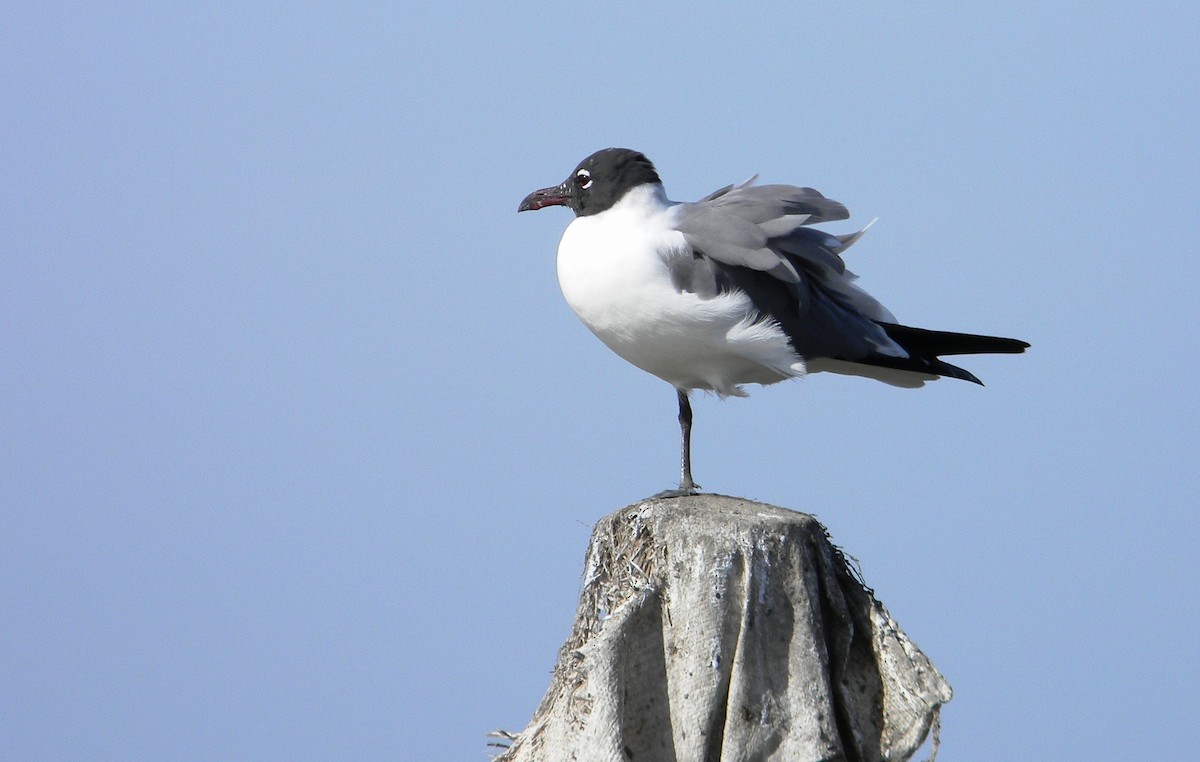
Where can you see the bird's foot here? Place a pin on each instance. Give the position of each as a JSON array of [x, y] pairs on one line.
[[682, 491]]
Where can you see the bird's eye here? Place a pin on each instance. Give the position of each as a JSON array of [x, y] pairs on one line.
[[584, 178]]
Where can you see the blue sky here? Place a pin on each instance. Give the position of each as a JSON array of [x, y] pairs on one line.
[[302, 446]]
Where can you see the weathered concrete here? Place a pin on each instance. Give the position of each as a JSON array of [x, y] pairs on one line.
[[714, 629]]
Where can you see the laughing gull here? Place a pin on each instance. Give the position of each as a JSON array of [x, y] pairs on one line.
[[732, 289]]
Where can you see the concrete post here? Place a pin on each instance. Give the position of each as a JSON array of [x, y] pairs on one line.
[[715, 629]]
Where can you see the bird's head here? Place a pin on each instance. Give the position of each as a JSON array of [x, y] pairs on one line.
[[599, 182]]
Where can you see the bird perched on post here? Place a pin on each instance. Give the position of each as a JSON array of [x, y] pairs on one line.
[[729, 290]]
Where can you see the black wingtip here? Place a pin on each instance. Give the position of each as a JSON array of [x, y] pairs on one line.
[[922, 341], [924, 348], [953, 371]]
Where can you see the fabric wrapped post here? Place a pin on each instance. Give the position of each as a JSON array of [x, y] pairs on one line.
[[713, 628]]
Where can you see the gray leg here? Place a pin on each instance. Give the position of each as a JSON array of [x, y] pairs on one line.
[[686, 485]]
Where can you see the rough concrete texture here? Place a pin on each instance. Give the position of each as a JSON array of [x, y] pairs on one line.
[[713, 628]]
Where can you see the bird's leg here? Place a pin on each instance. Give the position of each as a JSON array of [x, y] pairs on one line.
[[686, 485]]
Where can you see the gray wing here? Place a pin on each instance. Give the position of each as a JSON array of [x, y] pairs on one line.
[[756, 239]]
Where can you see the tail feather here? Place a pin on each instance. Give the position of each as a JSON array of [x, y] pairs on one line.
[[924, 348], [921, 341]]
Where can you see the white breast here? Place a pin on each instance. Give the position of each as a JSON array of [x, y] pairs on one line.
[[612, 271]]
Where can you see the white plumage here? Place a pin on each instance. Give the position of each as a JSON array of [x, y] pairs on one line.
[[612, 268]]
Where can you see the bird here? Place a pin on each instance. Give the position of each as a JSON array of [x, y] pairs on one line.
[[733, 289]]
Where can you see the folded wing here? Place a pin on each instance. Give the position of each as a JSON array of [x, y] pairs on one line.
[[756, 239]]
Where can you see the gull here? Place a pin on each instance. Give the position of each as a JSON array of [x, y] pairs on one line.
[[733, 289]]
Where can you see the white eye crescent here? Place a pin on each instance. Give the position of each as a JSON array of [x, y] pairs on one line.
[[585, 178]]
